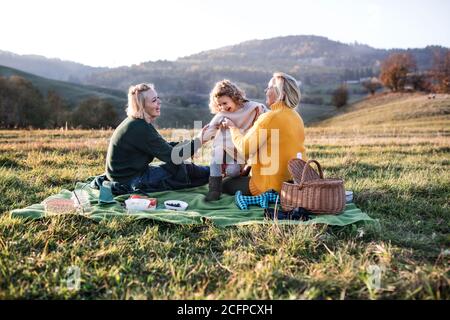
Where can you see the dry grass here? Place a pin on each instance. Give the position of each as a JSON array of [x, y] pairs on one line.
[[398, 169]]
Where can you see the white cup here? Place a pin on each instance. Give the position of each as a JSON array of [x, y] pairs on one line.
[[348, 196]]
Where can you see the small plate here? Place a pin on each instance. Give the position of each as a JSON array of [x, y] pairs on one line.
[[175, 205]]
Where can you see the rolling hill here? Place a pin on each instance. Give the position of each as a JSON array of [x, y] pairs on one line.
[[72, 93], [56, 69], [307, 52], [401, 111], [317, 61]]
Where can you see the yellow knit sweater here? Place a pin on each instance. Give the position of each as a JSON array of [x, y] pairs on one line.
[[275, 138]]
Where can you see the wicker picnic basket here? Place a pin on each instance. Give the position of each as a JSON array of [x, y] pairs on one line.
[[311, 191]]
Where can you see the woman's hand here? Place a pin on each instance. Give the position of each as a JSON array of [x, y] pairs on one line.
[[227, 123]]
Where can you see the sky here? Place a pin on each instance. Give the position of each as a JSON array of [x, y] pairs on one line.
[[114, 32]]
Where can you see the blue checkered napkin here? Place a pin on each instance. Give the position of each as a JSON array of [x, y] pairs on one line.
[[244, 201]]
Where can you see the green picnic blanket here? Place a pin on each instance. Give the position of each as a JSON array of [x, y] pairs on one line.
[[222, 213]]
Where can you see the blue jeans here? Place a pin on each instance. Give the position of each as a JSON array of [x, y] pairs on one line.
[[154, 177], [151, 177]]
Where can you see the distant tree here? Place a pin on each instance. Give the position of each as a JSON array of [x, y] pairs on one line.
[[58, 110], [441, 72], [94, 113], [372, 85], [419, 82], [5, 103], [26, 105], [340, 96], [394, 70]]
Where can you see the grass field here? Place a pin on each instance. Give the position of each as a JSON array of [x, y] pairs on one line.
[[392, 150]]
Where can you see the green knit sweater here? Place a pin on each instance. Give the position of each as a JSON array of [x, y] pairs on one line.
[[135, 143]]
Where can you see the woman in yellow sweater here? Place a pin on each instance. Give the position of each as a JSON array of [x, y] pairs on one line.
[[275, 138]]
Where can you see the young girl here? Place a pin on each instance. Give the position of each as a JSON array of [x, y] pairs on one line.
[[227, 100]]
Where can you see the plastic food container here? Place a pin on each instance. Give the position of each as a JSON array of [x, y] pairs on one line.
[[59, 206], [175, 205], [140, 204], [81, 200]]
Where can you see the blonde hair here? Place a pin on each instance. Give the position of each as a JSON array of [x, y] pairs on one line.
[[286, 88], [136, 100], [225, 88]]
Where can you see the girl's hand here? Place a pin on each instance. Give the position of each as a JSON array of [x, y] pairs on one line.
[[227, 123]]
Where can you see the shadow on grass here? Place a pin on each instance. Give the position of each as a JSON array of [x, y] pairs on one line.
[[11, 188], [416, 218], [9, 163]]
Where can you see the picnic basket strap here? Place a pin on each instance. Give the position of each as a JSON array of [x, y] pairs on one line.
[[306, 166]]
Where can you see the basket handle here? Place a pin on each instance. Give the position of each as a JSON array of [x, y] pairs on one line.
[[319, 167]]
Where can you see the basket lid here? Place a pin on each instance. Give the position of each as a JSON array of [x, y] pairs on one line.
[[299, 167], [324, 182]]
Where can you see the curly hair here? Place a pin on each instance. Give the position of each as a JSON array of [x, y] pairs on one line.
[[225, 88]]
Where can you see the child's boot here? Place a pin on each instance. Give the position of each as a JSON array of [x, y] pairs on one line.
[[272, 196], [215, 189], [244, 201]]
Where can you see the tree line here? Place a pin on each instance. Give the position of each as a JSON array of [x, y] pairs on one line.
[[22, 105], [399, 72]]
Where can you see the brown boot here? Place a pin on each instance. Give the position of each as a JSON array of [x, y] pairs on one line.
[[215, 189]]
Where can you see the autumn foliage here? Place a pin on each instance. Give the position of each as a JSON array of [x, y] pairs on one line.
[[395, 69], [441, 72]]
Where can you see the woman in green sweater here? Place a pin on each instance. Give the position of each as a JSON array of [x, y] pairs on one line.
[[136, 143]]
